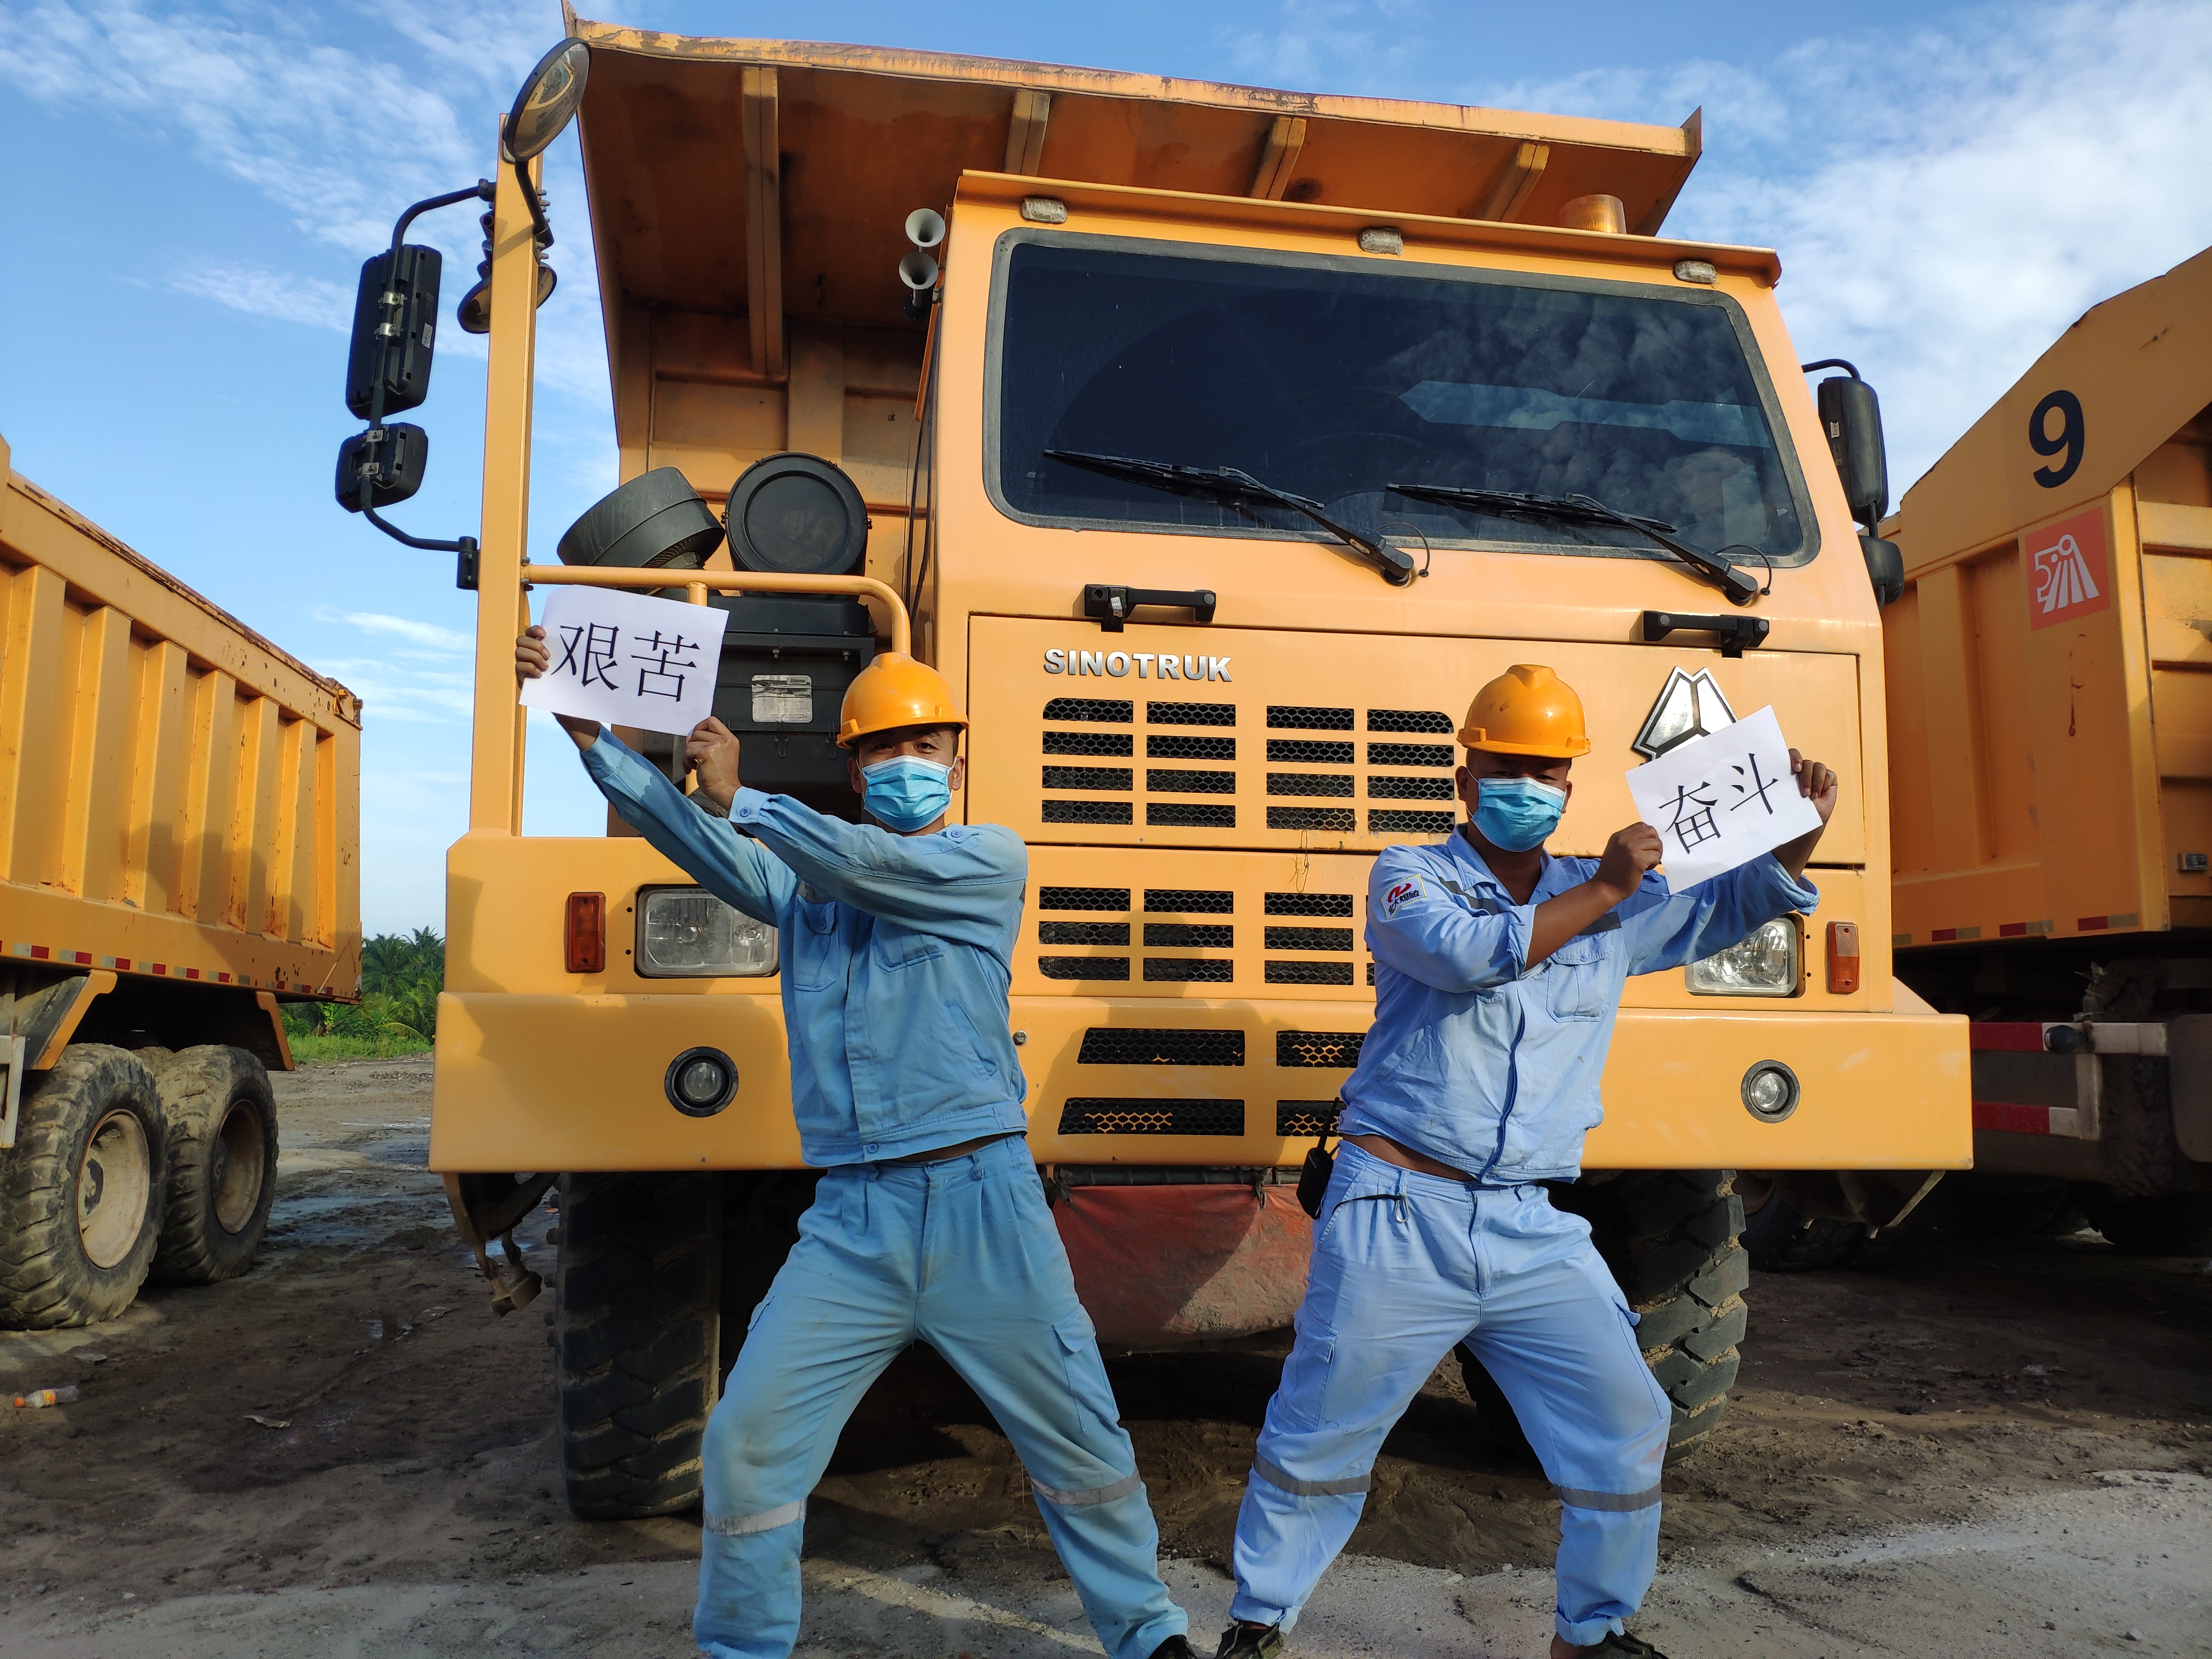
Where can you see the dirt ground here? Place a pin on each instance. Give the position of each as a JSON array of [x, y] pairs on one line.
[[344, 1453]]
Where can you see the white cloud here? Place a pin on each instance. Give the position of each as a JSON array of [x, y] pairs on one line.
[[1946, 202], [289, 298], [406, 628]]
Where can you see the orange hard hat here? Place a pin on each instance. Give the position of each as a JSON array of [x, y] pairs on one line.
[[896, 690], [1527, 710]]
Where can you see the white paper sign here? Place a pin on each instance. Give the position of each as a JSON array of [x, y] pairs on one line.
[[1720, 801], [628, 658]]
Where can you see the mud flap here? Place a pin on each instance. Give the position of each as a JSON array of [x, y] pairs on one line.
[[486, 1208]]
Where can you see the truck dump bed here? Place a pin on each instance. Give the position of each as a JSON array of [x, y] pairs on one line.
[[179, 797], [2050, 710]]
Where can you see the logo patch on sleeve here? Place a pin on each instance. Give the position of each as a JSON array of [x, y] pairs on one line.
[[1400, 894]]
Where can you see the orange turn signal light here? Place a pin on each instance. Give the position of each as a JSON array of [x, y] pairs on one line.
[[584, 934], [1843, 957]]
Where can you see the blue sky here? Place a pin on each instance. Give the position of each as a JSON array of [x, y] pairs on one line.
[[191, 189]]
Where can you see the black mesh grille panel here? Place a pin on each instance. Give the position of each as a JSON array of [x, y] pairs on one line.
[[1312, 817], [1309, 939], [1371, 973], [1098, 711], [1407, 754], [1384, 787], [1409, 720], [1309, 751], [1380, 822], [1083, 932], [1094, 1115], [1338, 1050], [1190, 901], [1116, 967], [1282, 718], [1189, 713], [1090, 742], [1183, 780], [1089, 811], [1308, 973], [1309, 904], [1114, 1045], [1171, 815], [1307, 1117], [1310, 783], [1082, 898], [1177, 747], [1186, 970], [1090, 777], [1189, 935]]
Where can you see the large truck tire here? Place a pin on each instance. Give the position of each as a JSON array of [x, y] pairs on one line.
[[636, 1339], [2166, 1224], [221, 1116], [1671, 1239], [81, 1190], [1780, 1240]]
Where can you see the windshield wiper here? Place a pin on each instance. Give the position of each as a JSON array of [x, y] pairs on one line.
[[1736, 584], [1229, 485]]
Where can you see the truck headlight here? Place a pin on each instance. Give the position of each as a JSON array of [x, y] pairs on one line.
[[686, 933], [1764, 965]]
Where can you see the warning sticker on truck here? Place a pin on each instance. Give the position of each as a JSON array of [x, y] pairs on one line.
[[2069, 569]]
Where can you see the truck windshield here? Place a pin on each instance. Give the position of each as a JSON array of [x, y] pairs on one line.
[[1332, 379]]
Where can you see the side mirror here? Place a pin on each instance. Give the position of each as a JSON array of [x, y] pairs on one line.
[[1885, 563], [1850, 415], [392, 459], [395, 319]]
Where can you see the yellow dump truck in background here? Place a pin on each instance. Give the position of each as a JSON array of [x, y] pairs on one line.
[[178, 832], [2050, 764], [1217, 443]]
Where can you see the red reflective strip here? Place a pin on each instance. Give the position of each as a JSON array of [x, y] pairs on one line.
[[39, 952], [222, 979], [2012, 930], [1942, 935], [2093, 924], [122, 961], [83, 958], [191, 973], [2012, 1120], [160, 966], [2013, 1037]]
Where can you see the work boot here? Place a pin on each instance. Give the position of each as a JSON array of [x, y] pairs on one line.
[[1250, 1641], [1621, 1645], [1176, 1647]]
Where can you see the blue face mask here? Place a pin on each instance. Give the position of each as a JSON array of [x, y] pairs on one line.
[[1517, 813], [907, 793]]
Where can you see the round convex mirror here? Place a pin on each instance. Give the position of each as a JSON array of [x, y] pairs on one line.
[[548, 100]]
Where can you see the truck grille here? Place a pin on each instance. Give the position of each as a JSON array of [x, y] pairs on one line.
[[1112, 1045], [1312, 770], [1307, 1117], [1111, 1115], [1323, 1049]]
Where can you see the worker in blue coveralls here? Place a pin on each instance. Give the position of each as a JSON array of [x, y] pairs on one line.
[[897, 937], [1497, 976]]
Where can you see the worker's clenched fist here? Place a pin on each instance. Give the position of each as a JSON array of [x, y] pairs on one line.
[[532, 657], [711, 752], [1628, 855]]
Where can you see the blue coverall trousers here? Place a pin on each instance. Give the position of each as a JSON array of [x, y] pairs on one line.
[[961, 1253], [1403, 1266]]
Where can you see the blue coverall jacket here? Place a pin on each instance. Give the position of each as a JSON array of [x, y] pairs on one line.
[[1486, 1063], [917, 930]]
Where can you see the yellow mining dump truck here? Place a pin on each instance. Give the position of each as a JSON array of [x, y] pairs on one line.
[[937, 333], [2051, 748], [178, 832]]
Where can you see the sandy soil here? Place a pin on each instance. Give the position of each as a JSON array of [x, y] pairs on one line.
[[2014, 1443]]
